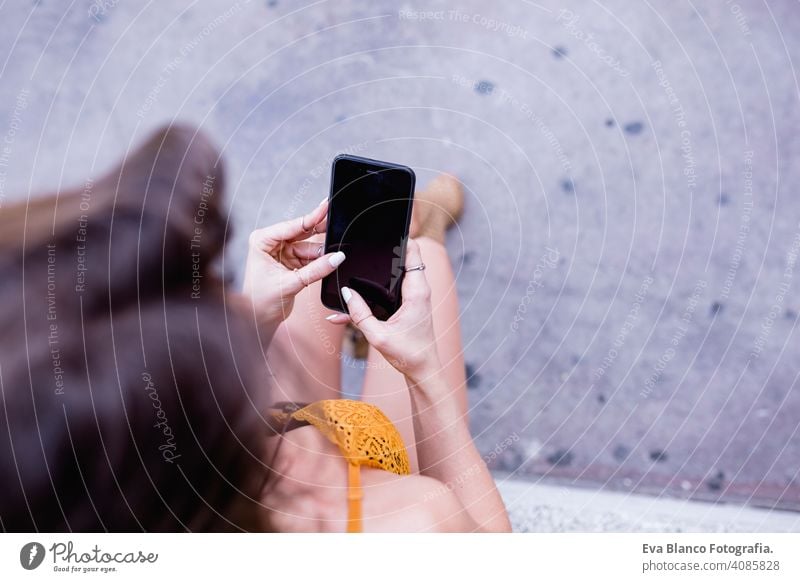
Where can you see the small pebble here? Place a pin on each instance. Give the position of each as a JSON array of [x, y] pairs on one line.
[[473, 378], [634, 127], [559, 52], [621, 452], [715, 482], [658, 455], [568, 186], [609, 122], [560, 458], [484, 87], [716, 307]]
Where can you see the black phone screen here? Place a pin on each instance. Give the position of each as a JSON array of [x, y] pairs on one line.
[[368, 220]]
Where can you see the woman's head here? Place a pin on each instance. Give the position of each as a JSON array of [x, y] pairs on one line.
[[130, 386]]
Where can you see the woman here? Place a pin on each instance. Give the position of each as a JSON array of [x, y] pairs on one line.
[[134, 386]]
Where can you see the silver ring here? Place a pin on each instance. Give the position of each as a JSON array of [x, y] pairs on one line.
[[365, 318], [320, 249], [420, 267]]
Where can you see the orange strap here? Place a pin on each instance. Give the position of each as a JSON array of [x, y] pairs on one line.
[[363, 433], [354, 497]]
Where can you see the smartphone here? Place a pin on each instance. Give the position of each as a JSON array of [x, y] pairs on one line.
[[369, 214]]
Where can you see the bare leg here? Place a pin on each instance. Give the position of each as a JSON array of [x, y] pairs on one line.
[[386, 387], [304, 356]]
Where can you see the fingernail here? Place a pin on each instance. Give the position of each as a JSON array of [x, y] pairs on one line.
[[346, 294], [336, 259], [332, 317]]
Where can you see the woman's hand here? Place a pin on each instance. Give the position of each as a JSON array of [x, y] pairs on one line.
[[281, 262], [406, 339]]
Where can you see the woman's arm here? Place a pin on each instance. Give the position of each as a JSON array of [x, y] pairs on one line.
[[444, 445], [445, 451]]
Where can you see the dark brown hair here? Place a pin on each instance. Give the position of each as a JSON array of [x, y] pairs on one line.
[[130, 390]]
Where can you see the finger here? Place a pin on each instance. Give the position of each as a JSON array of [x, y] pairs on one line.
[[361, 315], [339, 318], [413, 253], [292, 282], [415, 283], [303, 251], [314, 222], [322, 226], [302, 227]]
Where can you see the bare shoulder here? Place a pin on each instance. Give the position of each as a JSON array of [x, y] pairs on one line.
[[412, 503]]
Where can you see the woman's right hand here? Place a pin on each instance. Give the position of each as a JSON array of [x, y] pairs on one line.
[[281, 262], [406, 339]]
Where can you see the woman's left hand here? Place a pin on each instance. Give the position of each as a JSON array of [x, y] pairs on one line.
[[407, 339], [281, 262]]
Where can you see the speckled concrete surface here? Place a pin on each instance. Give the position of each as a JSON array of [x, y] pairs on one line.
[[626, 260], [545, 508]]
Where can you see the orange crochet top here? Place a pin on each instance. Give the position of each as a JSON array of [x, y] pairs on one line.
[[364, 435]]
